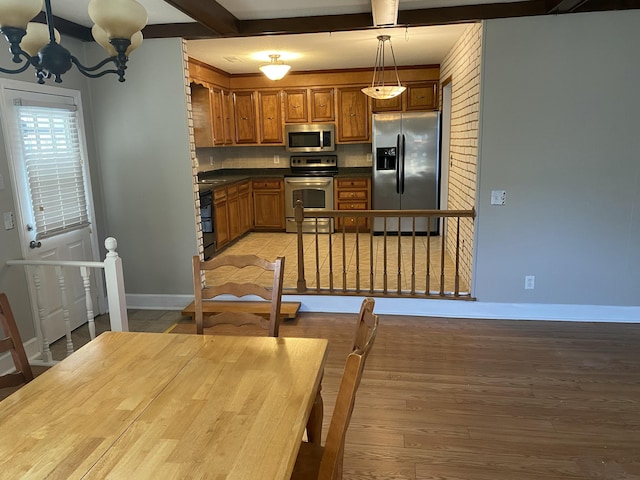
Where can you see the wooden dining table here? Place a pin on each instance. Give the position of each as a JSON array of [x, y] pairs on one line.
[[165, 406]]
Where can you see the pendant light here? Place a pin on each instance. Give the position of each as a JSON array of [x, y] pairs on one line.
[[118, 25], [378, 89], [276, 69]]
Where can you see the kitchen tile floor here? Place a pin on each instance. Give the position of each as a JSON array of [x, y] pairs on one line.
[[350, 264]]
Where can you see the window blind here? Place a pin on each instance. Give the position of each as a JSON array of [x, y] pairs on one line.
[[51, 153]]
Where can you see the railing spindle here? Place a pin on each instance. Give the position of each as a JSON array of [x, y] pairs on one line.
[[46, 351], [371, 255], [65, 308], [427, 290], [413, 254], [299, 217], [317, 240], [384, 271], [442, 264], [85, 273], [457, 277], [330, 262], [344, 258], [357, 257], [399, 255]]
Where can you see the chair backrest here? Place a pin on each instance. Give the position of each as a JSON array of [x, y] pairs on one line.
[[223, 267], [331, 463], [11, 342], [367, 321]]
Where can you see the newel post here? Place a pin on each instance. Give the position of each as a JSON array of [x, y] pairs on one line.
[[115, 288]]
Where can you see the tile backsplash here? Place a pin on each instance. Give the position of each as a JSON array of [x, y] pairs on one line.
[[356, 155]]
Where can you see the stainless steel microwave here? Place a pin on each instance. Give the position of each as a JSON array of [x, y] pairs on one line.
[[310, 137]]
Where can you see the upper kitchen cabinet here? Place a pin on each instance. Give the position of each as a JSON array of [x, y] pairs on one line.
[[244, 107], [322, 105], [353, 116], [227, 110], [201, 108], [295, 106], [270, 118], [395, 104], [422, 96], [217, 115]]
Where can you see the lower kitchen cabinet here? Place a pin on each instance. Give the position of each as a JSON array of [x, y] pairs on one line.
[[352, 194], [268, 204], [245, 206], [221, 217], [233, 206]]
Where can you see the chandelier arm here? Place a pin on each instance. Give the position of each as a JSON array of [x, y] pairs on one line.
[[28, 63], [87, 71]]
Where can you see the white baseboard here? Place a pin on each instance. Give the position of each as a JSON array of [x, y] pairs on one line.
[[426, 307]]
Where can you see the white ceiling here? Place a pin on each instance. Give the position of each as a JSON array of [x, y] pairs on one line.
[[316, 51]]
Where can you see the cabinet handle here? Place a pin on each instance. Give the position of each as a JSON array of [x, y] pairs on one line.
[[352, 114], [295, 106], [244, 118], [421, 96], [322, 105]]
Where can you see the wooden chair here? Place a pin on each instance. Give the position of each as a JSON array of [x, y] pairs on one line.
[[11, 342], [315, 462], [238, 317]]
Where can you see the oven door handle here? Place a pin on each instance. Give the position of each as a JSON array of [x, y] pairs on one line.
[[309, 183]]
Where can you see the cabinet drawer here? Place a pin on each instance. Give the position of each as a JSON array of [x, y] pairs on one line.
[[352, 195], [232, 191], [266, 184], [352, 182], [219, 195], [243, 187], [352, 206]]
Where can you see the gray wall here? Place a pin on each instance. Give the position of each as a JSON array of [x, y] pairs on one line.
[[559, 133], [143, 145]]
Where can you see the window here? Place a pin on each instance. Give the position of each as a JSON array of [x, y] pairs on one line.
[[50, 148]]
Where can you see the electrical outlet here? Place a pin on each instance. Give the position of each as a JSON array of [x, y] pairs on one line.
[[529, 282], [276, 159]]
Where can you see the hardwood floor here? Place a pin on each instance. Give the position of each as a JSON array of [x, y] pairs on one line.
[[456, 399]]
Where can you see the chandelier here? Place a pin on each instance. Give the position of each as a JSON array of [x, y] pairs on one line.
[[118, 25], [276, 69], [378, 89]]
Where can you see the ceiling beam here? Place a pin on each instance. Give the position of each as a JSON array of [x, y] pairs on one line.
[[210, 14], [65, 27]]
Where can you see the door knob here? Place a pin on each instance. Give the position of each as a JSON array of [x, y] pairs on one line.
[[34, 244]]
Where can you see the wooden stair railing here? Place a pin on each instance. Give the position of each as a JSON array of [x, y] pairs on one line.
[[325, 275]]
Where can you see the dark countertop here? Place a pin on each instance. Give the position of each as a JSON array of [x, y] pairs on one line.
[[212, 179]]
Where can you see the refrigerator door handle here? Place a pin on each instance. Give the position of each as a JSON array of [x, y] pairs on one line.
[[398, 157], [404, 140]]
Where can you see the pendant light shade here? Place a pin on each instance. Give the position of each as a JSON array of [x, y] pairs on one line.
[[378, 89], [276, 69]]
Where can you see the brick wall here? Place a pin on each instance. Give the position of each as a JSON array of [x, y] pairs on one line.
[[462, 68]]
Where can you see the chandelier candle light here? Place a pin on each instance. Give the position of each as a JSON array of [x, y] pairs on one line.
[[118, 25], [378, 89], [276, 69]]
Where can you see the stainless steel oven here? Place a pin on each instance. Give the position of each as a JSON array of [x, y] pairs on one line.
[[311, 181]]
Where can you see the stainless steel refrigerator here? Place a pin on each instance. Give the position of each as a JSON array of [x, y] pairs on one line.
[[406, 160]]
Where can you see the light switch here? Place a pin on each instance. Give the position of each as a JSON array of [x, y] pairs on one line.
[[498, 197], [8, 221]]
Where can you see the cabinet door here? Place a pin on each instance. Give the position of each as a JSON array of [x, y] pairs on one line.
[[233, 205], [201, 113], [389, 105], [221, 217], [217, 116], [322, 105], [227, 111], [271, 130], [422, 96], [246, 211], [245, 117], [353, 115], [268, 204], [295, 106]]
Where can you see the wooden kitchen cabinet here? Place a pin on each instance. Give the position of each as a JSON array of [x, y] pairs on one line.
[[217, 115], [395, 104], [227, 111], [201, 109], [233, 209], [352, 194], [295, 106], [353, 116], [322, 105], [221, 217], [422, 96], [244, 108], [245, 206], [270, 118], [268, 204]]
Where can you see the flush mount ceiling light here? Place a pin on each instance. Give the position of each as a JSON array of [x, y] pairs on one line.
[[276, 69], [385, 12], [378, 89], [118, 25]]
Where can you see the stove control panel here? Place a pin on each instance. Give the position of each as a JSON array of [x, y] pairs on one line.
[[309, 161]]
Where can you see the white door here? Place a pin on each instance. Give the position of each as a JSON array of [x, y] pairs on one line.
[[44, 135]]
